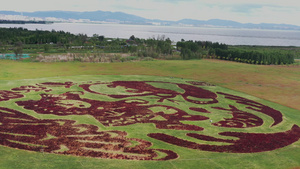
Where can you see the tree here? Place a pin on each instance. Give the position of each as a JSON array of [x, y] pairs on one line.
[[186, 54], [132, 37], [101, 38], [211, 52], [1, 47], [46, 47], [59, 44], [18, 49]]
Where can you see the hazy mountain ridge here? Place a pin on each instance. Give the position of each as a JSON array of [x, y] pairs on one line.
[[120, 17]]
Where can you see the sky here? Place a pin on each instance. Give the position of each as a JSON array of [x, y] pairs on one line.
[[244, 11]]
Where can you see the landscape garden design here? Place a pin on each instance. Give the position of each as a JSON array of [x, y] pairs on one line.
[[98, 118]]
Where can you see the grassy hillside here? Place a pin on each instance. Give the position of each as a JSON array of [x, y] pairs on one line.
[[278, 84]]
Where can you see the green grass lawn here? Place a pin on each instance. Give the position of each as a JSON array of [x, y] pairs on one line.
[[223, 74], [278, 84]]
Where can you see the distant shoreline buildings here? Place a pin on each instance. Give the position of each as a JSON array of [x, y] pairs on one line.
[[24, 22], [103, 17]]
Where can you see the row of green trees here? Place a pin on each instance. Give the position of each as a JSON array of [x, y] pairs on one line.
[[256, 57], [10, 36], [206, 49]]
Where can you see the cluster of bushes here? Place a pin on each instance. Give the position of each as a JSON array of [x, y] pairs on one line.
[[197, 49], [152, 47]]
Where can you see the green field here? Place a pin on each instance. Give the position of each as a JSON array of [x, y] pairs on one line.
[[276, 87], [279, 84]]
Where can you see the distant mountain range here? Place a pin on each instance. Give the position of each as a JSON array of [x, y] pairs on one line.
[[123, 18]]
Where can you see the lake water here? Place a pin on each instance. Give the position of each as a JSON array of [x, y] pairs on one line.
[[222, 35]]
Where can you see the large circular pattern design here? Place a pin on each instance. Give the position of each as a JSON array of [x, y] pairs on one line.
[[140, 102]]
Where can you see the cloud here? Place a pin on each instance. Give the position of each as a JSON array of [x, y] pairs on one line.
[[128, 8], [174, 1], [245, 8]]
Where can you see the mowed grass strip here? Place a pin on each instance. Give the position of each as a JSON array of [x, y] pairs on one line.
[[280, 84]]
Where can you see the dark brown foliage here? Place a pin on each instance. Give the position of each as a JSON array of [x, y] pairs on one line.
[[275, 114], [141, 88], [7, 95], [240, 119], [199, 109], [21, 131], [246, 142], [200, 83], [117, 113], [30, 88], [57, 84]]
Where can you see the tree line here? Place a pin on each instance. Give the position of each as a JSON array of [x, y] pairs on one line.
[[10, 36], [17, 39], [207, 49], [256, 57], [23, 22], [198, 49]]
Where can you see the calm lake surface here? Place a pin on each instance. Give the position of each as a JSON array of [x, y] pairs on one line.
[[222, 35]]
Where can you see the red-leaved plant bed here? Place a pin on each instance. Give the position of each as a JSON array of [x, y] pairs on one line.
[[240, 119], [57, 84], [7, 95], [246, 142], [30, 88], [200, 83], [22, 131], [19, 130], [275, 114], [118, 113], [141, 88]]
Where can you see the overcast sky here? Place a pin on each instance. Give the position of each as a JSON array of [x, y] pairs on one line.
[[245, 11]]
